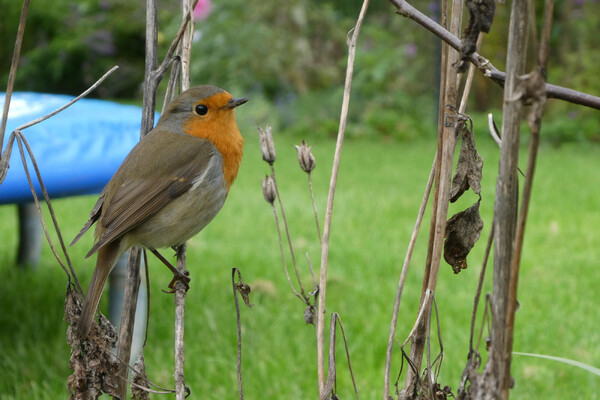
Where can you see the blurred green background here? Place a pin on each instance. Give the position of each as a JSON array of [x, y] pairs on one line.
[[291, 61], [292, 58]]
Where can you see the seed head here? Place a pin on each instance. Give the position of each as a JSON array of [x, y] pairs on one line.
[[305, 158], [266, 144], [309, 315], [268, 187]]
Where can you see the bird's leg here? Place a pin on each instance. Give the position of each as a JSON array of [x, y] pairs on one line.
[[178, 276]]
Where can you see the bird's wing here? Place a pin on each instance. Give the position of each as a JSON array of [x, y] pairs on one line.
[[137, 200], [94, 215]]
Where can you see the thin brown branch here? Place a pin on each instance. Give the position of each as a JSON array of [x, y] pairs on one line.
[[185, 51], [445, 152], [497, 368], [484, 65], [407, 258], [287, 273], [302, 294], [480, 288], [535, 83], [469, 81], [70, 103], [235, 271], [4, 161], [13, 70], [312, 198], [352, 41], [330, 385], [128, 315], [21, 140], [180, 389]]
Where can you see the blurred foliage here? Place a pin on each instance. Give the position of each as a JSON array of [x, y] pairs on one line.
[[292, 59], [68, 45]]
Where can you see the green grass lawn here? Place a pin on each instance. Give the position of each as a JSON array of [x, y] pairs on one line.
[[379, 191]]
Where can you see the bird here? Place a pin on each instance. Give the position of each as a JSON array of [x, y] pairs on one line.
[[169, 187]]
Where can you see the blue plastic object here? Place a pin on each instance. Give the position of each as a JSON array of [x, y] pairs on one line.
[[77, 150]]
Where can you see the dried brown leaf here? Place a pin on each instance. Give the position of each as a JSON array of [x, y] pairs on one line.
[[481, 16], [469, 167], [462, 231], [140, 378], [244, 290]]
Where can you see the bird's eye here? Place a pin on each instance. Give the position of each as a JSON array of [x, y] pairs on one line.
[[201, 109]]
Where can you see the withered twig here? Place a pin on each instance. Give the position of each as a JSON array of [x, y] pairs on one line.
[[484, 65], [185, 50], [13, 70], [352, 41], [235, 272], [407, 258], [534, 82]]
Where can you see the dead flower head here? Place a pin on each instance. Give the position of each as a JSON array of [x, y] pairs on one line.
[[305, 157], [268, 187], [266, 144]]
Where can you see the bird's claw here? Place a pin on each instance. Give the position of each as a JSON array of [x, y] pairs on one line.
[[178, 276]]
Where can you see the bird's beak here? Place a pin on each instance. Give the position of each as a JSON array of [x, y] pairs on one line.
[[233, 103]]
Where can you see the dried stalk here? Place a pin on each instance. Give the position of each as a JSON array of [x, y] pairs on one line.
[[497, 369], [13, 70], [484, 65], [486, 255], [128, 316], [235, 272], [180, 389], [21, 140], [536, 80], [330, 389], [7, 152], [352, 40], [185, 51], [407, 258], [287, 274], [446, 145], [302, 294], [312, 198]]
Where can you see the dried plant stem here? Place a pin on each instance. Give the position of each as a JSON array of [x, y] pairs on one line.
[[302, 294], [484, 65], [21, 140], [185, 51], [446, 145], [407, 258], [128, 317], [469, 81], [312, 198], [497, 369], [486, 256], [287, 274], [426, 301], [235, 271], [13, 70], [180, 389], [330, 385], [535, 122], [70, 103], [320, 314]]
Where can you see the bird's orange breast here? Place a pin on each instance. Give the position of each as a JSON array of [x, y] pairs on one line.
[[221, 129]]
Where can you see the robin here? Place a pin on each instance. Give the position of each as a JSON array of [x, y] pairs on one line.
[[169, 187]]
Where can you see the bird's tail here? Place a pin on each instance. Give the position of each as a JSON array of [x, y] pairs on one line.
[[107, 257]]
